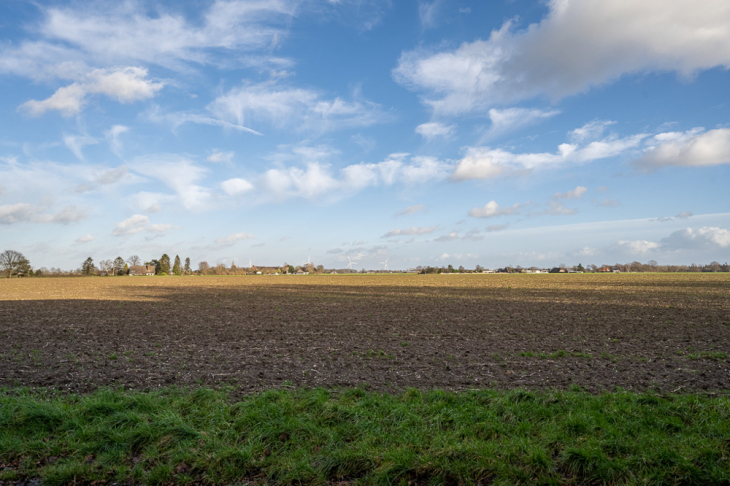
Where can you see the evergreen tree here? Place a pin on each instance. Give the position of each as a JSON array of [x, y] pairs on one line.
[[177, 266], [188, 270], [164, 264], [87, 268]]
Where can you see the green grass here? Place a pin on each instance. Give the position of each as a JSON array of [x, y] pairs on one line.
[[319, 436]]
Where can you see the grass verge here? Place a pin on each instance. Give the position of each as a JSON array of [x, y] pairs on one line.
[[320, 436]]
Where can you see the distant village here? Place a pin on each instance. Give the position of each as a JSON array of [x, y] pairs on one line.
[[14, 264]]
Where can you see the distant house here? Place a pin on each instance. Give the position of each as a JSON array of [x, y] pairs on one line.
[[559, 270], [138, 270], [605, 269]]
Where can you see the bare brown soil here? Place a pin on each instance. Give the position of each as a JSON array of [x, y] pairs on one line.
[[669, 332]]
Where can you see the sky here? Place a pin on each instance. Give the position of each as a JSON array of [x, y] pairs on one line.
[[507, 132]]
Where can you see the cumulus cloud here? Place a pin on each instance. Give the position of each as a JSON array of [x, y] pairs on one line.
[[486, 162], [131, 225], [415, 230], [702, 238], [431, 130], [694, 148], [411, 210], [576, 193], [86, 239], [318, 180], [233, 238], [637, 247], [477, 164], [305, 109], [17, 213], [235, 187], [578, 45], [124, 85], [492, 210], [218, 157]]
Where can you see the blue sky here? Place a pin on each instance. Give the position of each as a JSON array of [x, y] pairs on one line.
[[423, 132]]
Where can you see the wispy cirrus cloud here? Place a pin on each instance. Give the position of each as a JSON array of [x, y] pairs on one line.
[[413, 231]]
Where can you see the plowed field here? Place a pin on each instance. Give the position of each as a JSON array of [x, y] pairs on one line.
[[669, 332]]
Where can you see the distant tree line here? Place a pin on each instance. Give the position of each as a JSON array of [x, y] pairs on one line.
[[650, 266], [15, 264]]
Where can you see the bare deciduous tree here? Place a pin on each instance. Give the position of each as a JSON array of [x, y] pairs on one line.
[[13, 263], [134, 260]]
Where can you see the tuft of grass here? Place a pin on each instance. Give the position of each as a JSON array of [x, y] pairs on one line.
[[321, 436]]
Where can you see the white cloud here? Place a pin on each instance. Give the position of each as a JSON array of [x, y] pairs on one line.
[[218, 157], [234, 187], [496, 227], [177, 119], [607, 202], [477, 164], [75, 143], [25, 212], [69, 214], [638, 247], [693, 148], [431, 130], [178, 173], [578, 45], [233, 238], [17, 213], [149, 202], [512, 119], [702, 238], [86, 239], [453, 235], [112, 138], [411, 210], [428, 13], [303, 109], [492, 210], [423, 230], [111, 176], [318, 180], [472, 235], [131, 225], [555, 208], [684, 215], [120, 33], [160, 228], [124, 85], [486, 163], [576, 193], [590, 131]]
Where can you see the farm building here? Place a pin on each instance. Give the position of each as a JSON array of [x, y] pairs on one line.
[[138, 270]]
